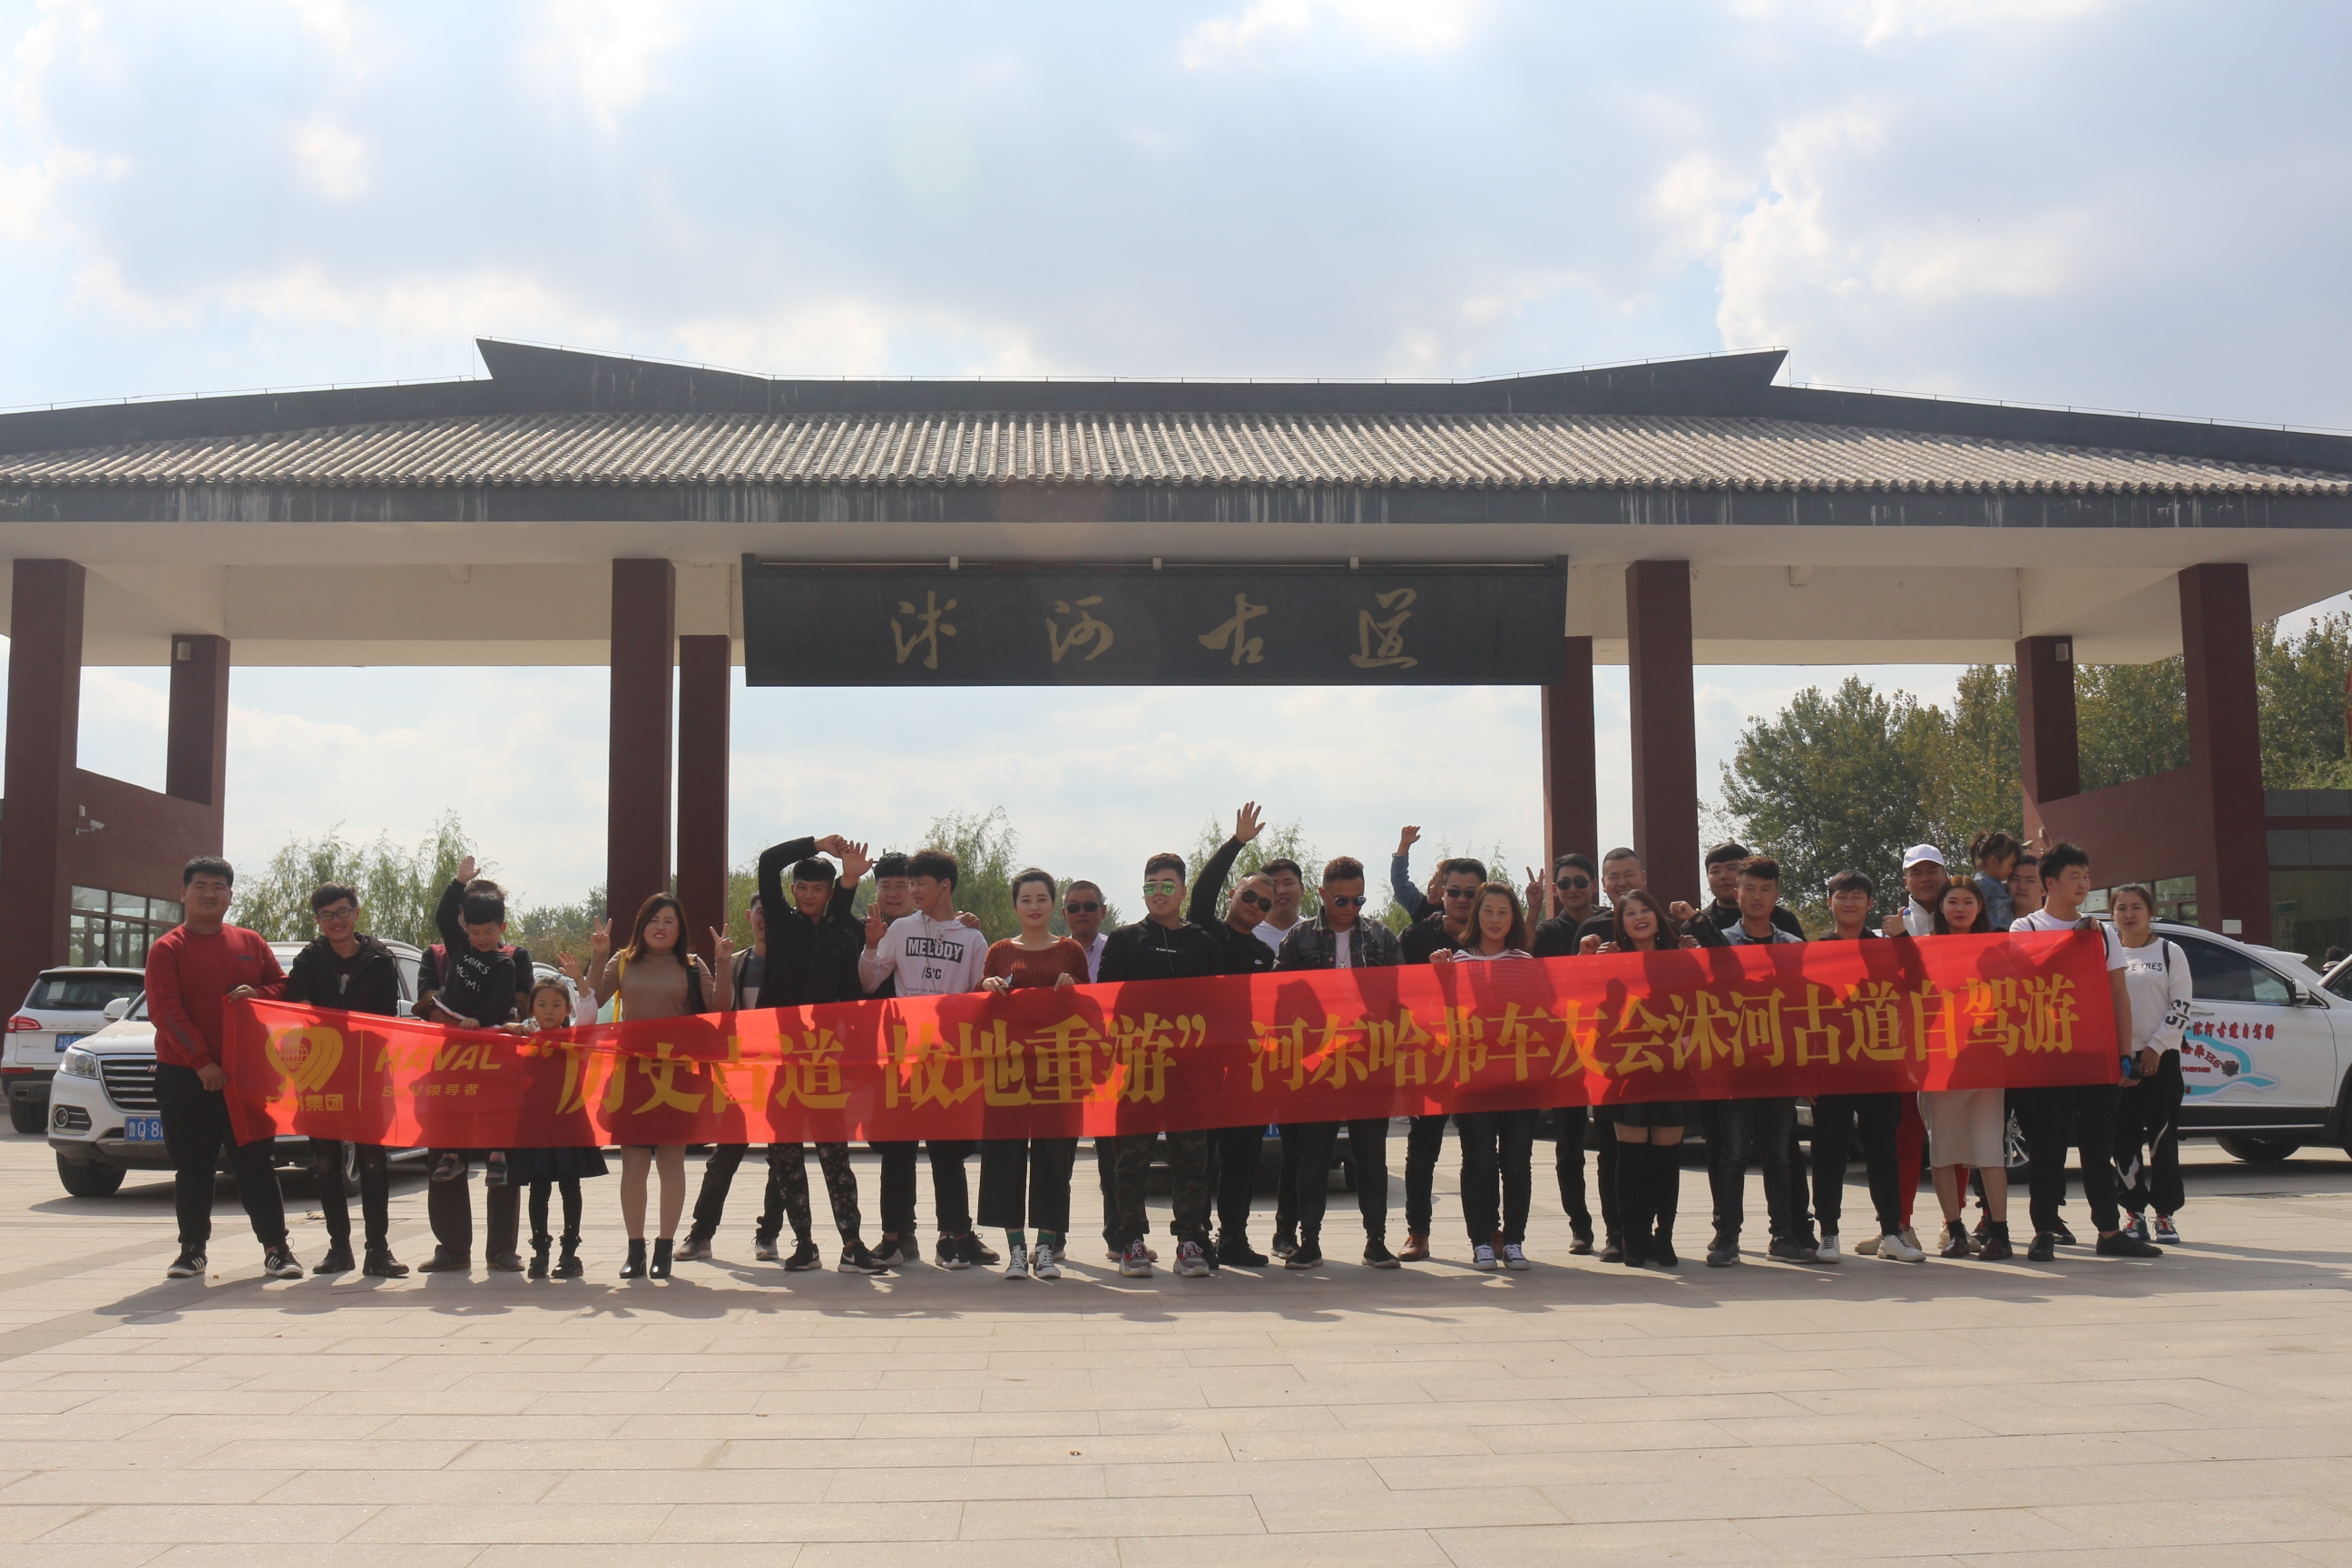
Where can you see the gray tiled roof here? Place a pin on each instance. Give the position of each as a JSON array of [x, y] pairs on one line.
[[1446, 452]]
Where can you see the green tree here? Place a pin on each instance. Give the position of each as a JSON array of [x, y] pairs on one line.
[[398, 887], [1973, 782], [550, 930], [1274, 841], [2303, 702], [2132, 720]]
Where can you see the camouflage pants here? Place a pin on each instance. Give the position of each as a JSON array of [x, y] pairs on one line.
[[788, 1181], [1188, 1172]]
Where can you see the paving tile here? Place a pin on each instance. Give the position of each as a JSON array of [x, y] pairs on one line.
[[176, 1524], [1108, 1518], [474, 1524], [1337, 1548]]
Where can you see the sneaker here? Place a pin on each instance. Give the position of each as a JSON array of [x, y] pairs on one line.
[[1827, 1252], [1236, 1252], [1868, 1247], [766, 1249], [338, 1259], [693, 1248], [2044, 1247], [1724, 1253], [1582, 1246], [1135, 1263], [1019, 1267], [1482, 1257], [1515, 1257], [1378, 1256], [1612, 1250], [1416, 1248], [895, 1252], [1307, 1254], [2167, 1233], [1895, 1249], [383, 1266], [1192, 1261], [278, 1263], [187, 1266], [1046, 1262], [804, 1258], [855, 1259], [2064, 1236], [1912, 1237], [2135, 1227], [1286, 1240], [947, 1253], [1789, 1250], [2124, 1244]]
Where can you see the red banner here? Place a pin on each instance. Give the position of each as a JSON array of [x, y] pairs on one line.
[[1707, 1024]]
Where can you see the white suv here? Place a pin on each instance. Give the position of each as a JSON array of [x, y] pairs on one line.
[[2268, 1048], [102, 1116], [63, 1005]]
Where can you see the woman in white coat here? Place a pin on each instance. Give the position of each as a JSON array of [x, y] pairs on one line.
[[2148, 1137]]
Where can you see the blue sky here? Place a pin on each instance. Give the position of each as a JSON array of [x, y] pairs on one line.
[[2139, 206]]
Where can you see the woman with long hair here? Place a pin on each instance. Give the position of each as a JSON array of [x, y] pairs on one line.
[[1649, 1135], [656, 976], [1497, 1145], [1968, 1127], [2147, 1135], [1034, 956]]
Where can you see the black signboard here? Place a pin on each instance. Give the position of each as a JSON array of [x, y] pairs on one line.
[[1139, 625]]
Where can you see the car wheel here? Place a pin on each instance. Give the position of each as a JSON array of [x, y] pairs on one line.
[[2256, 1149], [93, 1180], [28, 1115]]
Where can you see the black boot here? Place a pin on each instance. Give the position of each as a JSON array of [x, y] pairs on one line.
[[382, 1265], [1666, 1199], [1634, 1204], [664, 1248], [567, 1266], [339, 1255], [635, 1268], [539, 1244]]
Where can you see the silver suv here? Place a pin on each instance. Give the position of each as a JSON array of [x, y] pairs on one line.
[[63, 1005]]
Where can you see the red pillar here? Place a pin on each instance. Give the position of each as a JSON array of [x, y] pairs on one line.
[[705, 672], [1571, 800], [2049, 760], [2225, 750], [636, 810], [1665, 738], [44, 721], [195, 756]]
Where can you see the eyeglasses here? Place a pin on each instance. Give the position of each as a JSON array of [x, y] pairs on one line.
[[340, 912], [1161, 889], [1354, 902], [1077, 909], [1573, 882], [1254, 901]]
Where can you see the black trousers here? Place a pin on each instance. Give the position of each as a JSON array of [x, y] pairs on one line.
[[1422, 1144], [2148, 1133], [1233, 1161], [538, 1195], [950, 1186], [1571, 1128], [196, 1132], [2054, 1120], [1604, 1176], [1035, 1168], [449, 1207], [1496, 1146], [375, 1192], [1835, 1119], [1285, 1186], [1107, 1171], [1737, 1130], [1368, 1144], [718, 1181]]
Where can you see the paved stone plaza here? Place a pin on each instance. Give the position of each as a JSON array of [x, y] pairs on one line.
[[2191, 1411]]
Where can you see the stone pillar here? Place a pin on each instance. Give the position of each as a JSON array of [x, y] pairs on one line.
[[705, 673], [1571, 800], [2049, 760], [44, 724], [636, 819], [195, 758], [1665, 740], [2225, 751]]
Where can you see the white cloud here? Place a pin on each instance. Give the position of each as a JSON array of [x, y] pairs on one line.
[[608, 49], [433, 306], [1884, 21], [331, 160], [336, 23], [851, 335], [1415, 26]]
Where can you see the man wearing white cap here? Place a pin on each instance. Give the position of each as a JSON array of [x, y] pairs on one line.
[[1922, 878]]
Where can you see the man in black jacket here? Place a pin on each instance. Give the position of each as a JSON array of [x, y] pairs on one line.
[[344, 969], [449, 1196], [1338, 936], [1458, 882], [1234, 1150], [1574, 884], [1163, 945]]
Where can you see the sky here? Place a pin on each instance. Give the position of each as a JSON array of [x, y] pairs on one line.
[[2139, 206]]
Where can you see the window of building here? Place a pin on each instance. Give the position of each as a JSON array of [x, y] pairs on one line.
[[116, 929], [2311, 909]]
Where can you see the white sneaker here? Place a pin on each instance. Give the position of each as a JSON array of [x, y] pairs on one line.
[[1043, 1263], [1482, 1257], [1866, 1248], [1135, 1264], [1016, 1263], [1192, 1261], [1895, 1250], [1514, 1257], [1827, 1252], [1911, 1240], [2166, 1232]]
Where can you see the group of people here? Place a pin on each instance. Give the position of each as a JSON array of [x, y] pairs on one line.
[[809, 947]]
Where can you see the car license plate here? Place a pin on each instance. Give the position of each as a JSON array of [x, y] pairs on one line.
[[142, 1128], [64, 1040]]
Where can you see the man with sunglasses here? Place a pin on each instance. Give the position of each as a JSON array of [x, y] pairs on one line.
[[346, 969], [1443, 928], [1340, 937], [1234, 1150], [1574, 882], [1163, 945], [1082, 909]]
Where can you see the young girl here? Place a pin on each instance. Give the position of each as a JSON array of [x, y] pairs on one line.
[[1966, 1127], [552, 1007], [1497, 1145], [2148, 1140], [1649, 1135], [657, 976], [1035, 957]]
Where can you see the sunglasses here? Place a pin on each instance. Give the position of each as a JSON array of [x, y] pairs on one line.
[[1573, 882], [1461, 892], [1255, 900], [1160, 890], [1356, 902], [1077, 909]]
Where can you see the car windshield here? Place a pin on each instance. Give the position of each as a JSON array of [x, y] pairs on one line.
[[79, 993], [139, 1009]]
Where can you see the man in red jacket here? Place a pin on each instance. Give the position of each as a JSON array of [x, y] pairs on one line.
[[192, 969]]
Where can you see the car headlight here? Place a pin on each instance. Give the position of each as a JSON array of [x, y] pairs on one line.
[[79, 1063]]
